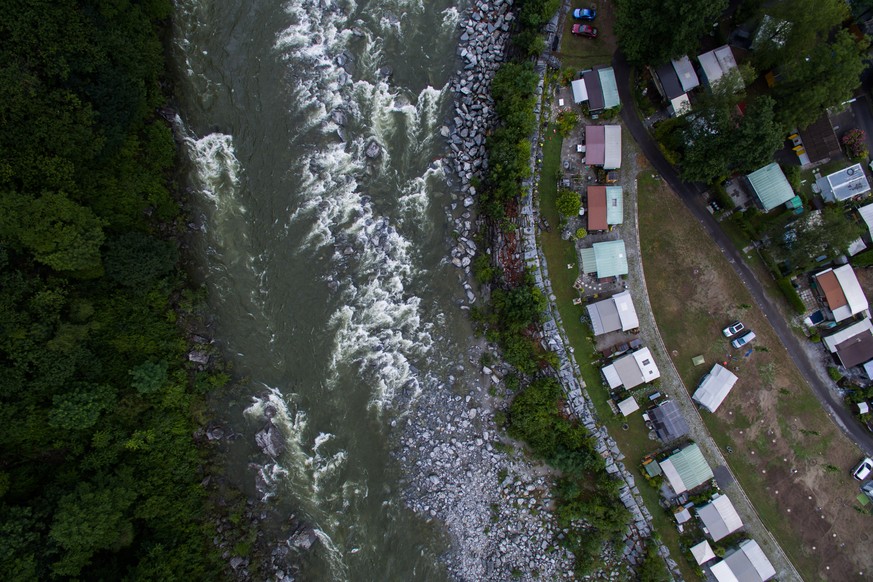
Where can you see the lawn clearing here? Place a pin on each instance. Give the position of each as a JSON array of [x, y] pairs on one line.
[[581, 53], [789, 457]]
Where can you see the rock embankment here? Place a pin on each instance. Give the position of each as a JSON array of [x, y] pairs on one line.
[[482, 46], [494, 503]]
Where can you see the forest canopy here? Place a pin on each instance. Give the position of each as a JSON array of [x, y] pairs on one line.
[[99, 474]]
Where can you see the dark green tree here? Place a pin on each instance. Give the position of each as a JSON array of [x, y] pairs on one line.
[[655, 32], [794, 27], [93, 518], [826, 76], [829, 233], [568, 203]]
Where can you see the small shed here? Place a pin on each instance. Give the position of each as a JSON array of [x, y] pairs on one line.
[[682, 515], [686, 469], [714, 387], [771, 186], [702, 553], [719, 517], [680, 105], [668, 422], [628, 406]]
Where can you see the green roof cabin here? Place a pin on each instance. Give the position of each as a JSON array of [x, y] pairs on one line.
[[771, 186], [606, 259], [686, 469]]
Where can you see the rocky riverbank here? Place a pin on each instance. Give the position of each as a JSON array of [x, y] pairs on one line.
[[483, 39], [494, 503]]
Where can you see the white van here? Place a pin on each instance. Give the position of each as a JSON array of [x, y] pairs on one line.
[[743, 339]]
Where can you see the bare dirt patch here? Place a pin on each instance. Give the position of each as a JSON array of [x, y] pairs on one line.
[[791, 460]]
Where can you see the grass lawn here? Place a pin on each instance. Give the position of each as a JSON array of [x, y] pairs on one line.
[[789, 457], [634, 441], [581, 53]]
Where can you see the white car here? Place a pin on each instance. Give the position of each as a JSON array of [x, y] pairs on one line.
[[743, 339], [862, 471], [734, 328]]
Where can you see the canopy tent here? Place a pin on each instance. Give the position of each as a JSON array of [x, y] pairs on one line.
[[628, 406], [702, 553], [715, 387], [719, 517]]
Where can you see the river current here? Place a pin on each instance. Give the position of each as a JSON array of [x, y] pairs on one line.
[[325, 267]]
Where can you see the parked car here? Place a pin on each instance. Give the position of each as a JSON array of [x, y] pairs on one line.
[[743, 339], [734, 328], [585, 30], [862, 471], [584, 14]]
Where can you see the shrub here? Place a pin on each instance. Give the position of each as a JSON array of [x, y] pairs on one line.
[[722, 197], [566, 121], [855, 142], [791, 295], [568, 203], [581, 233], [835, 373]]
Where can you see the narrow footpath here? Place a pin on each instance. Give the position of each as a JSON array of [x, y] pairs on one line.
[[691, 195]]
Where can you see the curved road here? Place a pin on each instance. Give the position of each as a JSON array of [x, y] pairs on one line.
[[691, 196]]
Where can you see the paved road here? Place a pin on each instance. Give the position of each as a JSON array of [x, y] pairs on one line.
[[690, 195]]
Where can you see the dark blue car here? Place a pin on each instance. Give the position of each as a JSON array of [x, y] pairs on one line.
[[584, 14]]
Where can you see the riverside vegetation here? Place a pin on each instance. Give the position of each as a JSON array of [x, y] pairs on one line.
[[100, 477], [585, 494]]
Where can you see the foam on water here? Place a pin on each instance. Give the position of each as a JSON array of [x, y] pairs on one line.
[[378, 328]]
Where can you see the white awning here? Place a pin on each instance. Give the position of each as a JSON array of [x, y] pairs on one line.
[[612, 154], [866, 213], [580, 92], [611, 375]]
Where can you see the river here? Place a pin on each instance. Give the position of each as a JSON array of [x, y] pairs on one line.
[[325, 268]]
